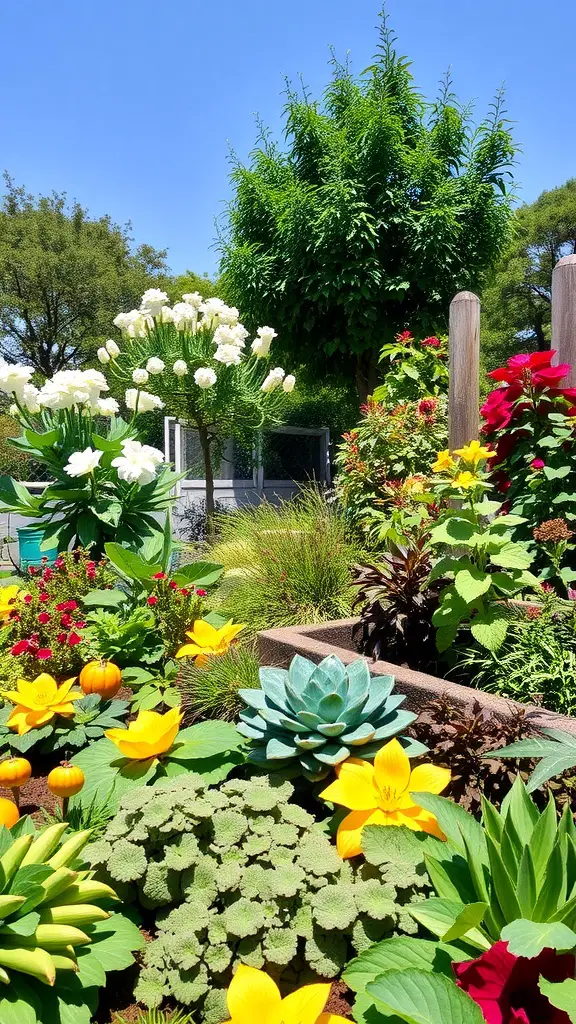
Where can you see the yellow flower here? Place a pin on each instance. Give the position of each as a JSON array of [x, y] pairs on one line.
[[8, 596], [379, 794], [253, 998], [474, 453], [207, 640], [444, 462], [466, 480], [150, 735], [38, 702], [413, 485]]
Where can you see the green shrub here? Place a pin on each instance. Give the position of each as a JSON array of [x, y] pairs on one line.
[[285, 564], [212, 691], [239, 874]]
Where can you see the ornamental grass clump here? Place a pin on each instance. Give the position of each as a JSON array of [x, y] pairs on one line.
[[313, 717], [238, 874]]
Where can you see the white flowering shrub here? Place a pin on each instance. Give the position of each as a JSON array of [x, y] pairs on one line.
[[202, 365], [238, 874], [107, 484]]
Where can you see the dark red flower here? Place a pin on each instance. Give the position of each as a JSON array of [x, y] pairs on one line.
[[152, 600], [43, 618], [67, 606], [66, 620], [32, 570], [201, 593], [173, 585], [535, 369], [184, 592], [15, 616], [498, 409], [79, 625], [62, 638], [59, 563], [74, 639], [505, 986], [43, 597], [432, 342], [427, 405], [43, 653], [27, 598], [21, 647], [47, 574], [537, 464]]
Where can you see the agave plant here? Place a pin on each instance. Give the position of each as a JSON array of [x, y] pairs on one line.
[[316, 716], [397, 607], [56, 939]]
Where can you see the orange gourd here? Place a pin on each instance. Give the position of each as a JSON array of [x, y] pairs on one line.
[[66, 780], [9, 813], [101, 677], [15, 772]]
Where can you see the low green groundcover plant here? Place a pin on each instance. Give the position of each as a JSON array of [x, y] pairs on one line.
[[238, 874], [57, 936]]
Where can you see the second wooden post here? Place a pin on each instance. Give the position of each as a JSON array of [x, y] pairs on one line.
[[464, 352]]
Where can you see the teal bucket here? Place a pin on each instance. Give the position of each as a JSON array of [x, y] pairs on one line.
[[30, 552]]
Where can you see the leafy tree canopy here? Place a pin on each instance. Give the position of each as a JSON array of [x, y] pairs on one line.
[[380, 207], [178, 286], [516, 305], [63, 278]]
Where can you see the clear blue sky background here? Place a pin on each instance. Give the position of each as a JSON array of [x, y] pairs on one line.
[[131, 105]]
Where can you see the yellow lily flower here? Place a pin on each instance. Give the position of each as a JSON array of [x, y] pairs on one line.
[[466, 480], [208, 641], [38, 702], [150, 735], [379, 794], [474, 453], [8, 596], [444, 462], [253, 998]]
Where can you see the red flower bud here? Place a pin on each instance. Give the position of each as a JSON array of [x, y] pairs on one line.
[[152, 600], [159, 576], [62, 637], [173, 585]]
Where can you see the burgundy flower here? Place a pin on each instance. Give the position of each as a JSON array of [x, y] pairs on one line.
[[427, 405], [184, 592], [62, 638], [20, 647], [43, 653], [32, 570], [505, 986], [201, 593], [43, 597], [43, 618], [27, 598], [173, 585], [66, 620], [47, 574], [537, 464]]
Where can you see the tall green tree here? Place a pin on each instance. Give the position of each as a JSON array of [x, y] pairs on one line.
[[377, 210], [516, 305], [63, 278]]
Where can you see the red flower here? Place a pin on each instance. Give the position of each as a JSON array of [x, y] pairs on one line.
[[32, 570], [540, 373], [62, 638], [431, 342], [152, 600], [159, 576], [59, 563], [498, 409], [201, 593], [537, 464], [74, 639], [67, 606], [66, 620], [47, 574], [404, 337], [427, 405], [43, 597], [79, 625], [43, 654], [173, 585], [27, 598], [184, 592], [505, 986], [43, 618], [20, 647]]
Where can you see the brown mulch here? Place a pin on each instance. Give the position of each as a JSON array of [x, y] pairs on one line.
[[33, 797], [340, 1000]]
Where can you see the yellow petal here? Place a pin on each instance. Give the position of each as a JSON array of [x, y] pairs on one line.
[[305, 1005], [391, 772], [230, 631], [252, 997], [428, 778], [24, 720], [419, 820], [131, 748], [188, 651], [350, 830], [203, 634], [64, 690], [354, 787]]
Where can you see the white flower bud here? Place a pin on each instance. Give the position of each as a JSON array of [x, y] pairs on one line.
[[180, 368], [140, 376], [154, 365], [112, 348], [205, 377], [103, 355]]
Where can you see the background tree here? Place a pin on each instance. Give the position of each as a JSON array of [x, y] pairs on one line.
[[516, 305], [180, 285], [63, 278], [380, 208]]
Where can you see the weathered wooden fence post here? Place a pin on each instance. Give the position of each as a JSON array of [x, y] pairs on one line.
[[564, 313], [464, 391]]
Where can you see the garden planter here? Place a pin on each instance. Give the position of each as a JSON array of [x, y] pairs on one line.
[[29, 551], [278, 647]]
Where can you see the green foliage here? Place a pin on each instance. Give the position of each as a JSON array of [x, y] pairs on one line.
[[212, 749], [57, 941], [12, 462], [555, 750], [63, 277], [94, 817], [536, 662], [312, 717], [382, 466], [158, 1017], [126, 637], [239, 874], [284, 564], [516, 304], [380, 209], [416, 368], [212, 691], [92, 716]]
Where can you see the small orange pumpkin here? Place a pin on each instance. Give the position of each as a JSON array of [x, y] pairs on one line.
[[15, 772], [9, 813], [66, 780], [101, 677]]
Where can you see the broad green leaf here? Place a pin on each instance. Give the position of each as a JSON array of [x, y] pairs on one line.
[[445, 637], [454, 531], [129, 563], [104, 599], [471, 583], [562, 995], [513, 556], [454, 822], [206, 739], [529, 938], [440, 916], [382, 844], [201, 574], [42, 440], [470, 918], [442, 566], [452, 609], [489, 628], [401, 952], [108, 511], [419, 997]]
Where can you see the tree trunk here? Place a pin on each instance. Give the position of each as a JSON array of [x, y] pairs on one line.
[[208, 476], [366, 373]]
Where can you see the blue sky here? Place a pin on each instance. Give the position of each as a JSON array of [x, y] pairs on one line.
[[131, 105]]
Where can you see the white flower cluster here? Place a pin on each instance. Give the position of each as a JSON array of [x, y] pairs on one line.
[[261, 344], [82, 463], [14, 379], [278, 377], [138, 462], [146, 401], [68, 388]]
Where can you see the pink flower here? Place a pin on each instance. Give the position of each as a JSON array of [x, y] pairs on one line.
[[505, 987], [537, 464], [43, 653], [404, 337], [431, 342]]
